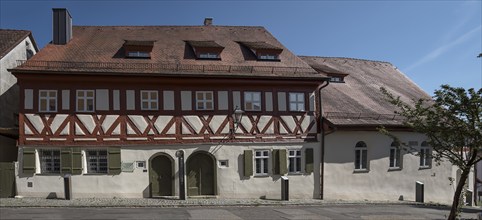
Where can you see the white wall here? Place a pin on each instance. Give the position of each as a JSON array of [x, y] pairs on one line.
[[230, 180], [341, 182]]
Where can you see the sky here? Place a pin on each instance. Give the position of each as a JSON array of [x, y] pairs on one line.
[[432, 42]]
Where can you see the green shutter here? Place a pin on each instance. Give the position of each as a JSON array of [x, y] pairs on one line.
[[283, 165], [66, 160], [114, 161], [309, 160], [76, 161], [275, 162], [248, 163], [28, 161]]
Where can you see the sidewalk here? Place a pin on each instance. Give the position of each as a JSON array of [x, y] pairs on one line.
[[163, 202]]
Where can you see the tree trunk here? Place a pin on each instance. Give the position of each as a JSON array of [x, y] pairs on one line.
[[458, 192]]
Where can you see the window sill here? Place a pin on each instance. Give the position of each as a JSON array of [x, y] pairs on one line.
[[95, 174], [394, 169], [425, 168], [49, 174], [361, 171], [149, 109], [297, 174], [260, 175]]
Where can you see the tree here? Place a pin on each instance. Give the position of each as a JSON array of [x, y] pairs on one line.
[[451, 121]]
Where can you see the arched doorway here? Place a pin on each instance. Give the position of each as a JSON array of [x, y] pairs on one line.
[[201, 174], [160, 175]]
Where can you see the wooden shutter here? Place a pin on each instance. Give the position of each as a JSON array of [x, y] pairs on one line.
[[114, 161], [76, 161], [309, 160], [28, 161], [283, 165], [279, 162], [66, 160], [248, 163]]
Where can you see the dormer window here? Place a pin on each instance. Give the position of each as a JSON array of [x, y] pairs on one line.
[[337, 79], [264, 51], [206, 50], [138, 49]]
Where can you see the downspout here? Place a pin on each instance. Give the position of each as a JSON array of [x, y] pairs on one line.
[[322, 130]]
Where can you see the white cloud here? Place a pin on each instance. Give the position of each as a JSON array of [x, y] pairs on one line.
[[444, 48]]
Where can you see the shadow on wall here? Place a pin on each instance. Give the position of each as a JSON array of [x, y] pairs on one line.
[[241, 168], [8, 109]]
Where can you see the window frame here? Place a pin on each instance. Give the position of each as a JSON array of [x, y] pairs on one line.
[[55, 161], [209, 56], [204, 100], [253, 102], [47, 100], [263, 160], [298, 163], [395, 157], [85, 98], [138, 54], [98, 164], [149, 100], [425, 157], [296, 101], [362, 148]]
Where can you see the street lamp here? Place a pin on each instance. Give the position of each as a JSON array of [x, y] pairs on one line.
[[237, 116]]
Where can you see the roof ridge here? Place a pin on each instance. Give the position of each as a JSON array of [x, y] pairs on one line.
[[135, 26], [5, 29], [348, 58]]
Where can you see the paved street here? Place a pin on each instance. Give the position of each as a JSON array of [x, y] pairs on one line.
[[334, 211]]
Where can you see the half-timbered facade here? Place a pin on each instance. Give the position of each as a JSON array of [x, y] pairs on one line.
[[116, 107]]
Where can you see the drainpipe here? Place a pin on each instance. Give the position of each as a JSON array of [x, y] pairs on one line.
[[322, 130]]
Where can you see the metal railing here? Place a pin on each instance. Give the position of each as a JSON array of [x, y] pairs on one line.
[[158, 67]]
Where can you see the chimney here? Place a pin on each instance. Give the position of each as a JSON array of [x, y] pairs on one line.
[[62, 26], [208, 21]]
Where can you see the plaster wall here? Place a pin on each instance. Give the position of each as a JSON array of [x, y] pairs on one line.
[[231, 182], [341, 181]]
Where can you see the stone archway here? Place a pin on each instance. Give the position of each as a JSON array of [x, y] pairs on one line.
[[201, 174]]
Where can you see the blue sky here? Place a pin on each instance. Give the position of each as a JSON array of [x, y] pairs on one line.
[[432, 42]]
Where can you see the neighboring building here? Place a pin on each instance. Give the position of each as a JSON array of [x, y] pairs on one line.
[[14, 45], [127, 110], [360, 163]]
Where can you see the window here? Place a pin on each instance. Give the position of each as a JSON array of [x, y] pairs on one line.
[[336, 79], [265, 56], [297, 101], [261, 162], [361, 159], [224, 163], [50, 161], [141, 164], [149, 100], [85, 100], [395, 156], [209, 55], [204, 100], [47, 100], [138, 54], [97, 161], [252, 101], [294, 157], [425, 156]]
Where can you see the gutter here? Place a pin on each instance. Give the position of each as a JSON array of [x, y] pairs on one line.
[[322, 130]]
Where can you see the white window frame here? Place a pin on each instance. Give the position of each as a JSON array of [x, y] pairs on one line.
[[362, 150], [263, 160], [294, 100], [253, 98], [209, 55], [85, 99], [267, 56], [204, 100], [47, 99], [139, 54], [149, 100], [98, 161], [395, 157], [50, 161], [425, 156], [295, 156]]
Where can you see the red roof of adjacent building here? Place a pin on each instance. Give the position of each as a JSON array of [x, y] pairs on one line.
[[9, 39]]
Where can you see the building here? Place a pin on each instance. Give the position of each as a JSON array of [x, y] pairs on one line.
[[210, 111], [360, 163], [14, 45]]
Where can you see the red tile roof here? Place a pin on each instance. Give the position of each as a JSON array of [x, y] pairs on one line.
[[100, 48], [359, 101], [11, 38]]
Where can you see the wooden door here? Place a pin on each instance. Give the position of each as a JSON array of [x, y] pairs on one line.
[[160, 174], [7, 180], [200, 175]]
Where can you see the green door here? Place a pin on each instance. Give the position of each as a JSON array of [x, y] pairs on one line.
[[200, 175], [7, 180], [160, 176]]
